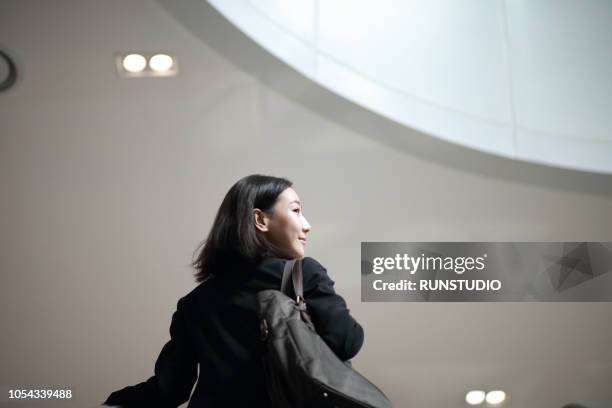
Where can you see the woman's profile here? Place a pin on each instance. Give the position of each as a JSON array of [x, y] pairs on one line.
[[259, 225]]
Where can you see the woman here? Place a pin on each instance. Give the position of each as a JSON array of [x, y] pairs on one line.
[[258, 227]]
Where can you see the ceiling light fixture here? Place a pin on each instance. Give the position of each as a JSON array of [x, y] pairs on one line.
[[495, 397], [475, 397], [161, 63], [134, 63], [146, 64]]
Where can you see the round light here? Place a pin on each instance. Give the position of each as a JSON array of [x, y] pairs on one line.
[[495, 397], [161, 62], [134, 63], [475, 397]]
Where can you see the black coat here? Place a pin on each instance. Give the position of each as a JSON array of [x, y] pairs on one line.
[[216, 326]]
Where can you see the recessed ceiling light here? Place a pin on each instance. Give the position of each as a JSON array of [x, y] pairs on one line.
[[134, 63], [495, 397], [161, 62], [475, 397], [146, 64]]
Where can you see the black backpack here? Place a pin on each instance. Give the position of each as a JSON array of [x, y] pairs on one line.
[[301, 370]]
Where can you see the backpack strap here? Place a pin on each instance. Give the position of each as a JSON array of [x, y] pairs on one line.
[[286, 273], [298, 282], [293, 268]]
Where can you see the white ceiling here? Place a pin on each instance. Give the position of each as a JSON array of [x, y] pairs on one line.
[[521, 79]]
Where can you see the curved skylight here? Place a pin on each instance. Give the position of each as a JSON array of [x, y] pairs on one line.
[[521, 79]]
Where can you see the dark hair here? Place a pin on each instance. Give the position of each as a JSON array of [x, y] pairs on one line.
[[233, 237]]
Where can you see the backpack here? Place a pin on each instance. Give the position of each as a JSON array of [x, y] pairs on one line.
[[301, 370]]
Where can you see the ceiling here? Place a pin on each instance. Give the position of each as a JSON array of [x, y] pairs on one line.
[[531, 81]]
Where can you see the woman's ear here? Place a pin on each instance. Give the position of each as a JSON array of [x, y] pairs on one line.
[[260, 219]]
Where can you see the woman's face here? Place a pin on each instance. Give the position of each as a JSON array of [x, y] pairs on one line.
[[286, 227]]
